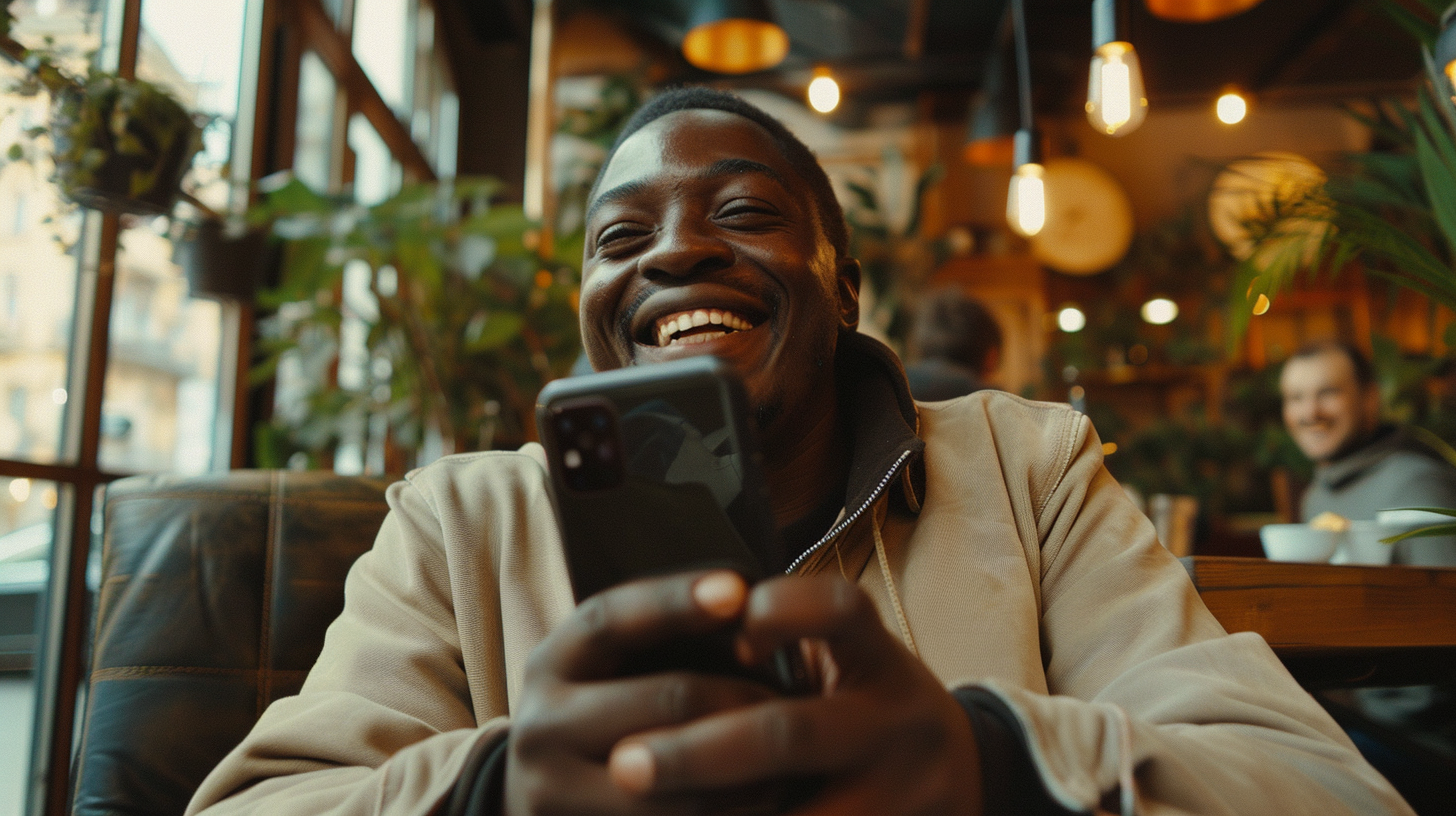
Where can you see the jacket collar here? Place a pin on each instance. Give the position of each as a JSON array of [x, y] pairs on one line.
[[884, 422]]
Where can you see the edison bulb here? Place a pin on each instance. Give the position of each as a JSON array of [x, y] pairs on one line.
[[1071, 319], [1160, 311], [823, 93], [1231, 108], [1026, 200], [1116, 103]]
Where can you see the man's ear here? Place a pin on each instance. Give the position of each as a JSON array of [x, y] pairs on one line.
[[848, 283]]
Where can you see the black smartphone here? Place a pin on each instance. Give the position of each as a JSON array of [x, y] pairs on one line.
[[655, 469]]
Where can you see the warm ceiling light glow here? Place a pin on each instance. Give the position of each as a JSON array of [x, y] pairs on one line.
[[1160, 311], [736, 46], [1231, 108], [1197, 11], [1261, 305], [1026, 200], [20, 489], [823, 92], [1071, 319]]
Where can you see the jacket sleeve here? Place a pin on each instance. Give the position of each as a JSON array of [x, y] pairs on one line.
[[385, 721], [1153, 708]]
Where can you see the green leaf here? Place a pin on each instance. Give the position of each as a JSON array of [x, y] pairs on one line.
[[865, 196], [493, 332], [1422, 532], [1423, 29]]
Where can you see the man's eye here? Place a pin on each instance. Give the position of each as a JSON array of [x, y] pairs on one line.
[[745, 212], [619, 232]]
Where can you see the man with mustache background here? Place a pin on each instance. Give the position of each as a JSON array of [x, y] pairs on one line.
[[996, 626]]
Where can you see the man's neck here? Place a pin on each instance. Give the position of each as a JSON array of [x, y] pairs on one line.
[[811, 469]]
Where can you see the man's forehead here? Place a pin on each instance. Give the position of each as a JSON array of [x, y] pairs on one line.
[[692, 139], [1324, 368]]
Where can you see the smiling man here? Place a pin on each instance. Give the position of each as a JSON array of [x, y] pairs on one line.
[[996, 628], [1331, 405]]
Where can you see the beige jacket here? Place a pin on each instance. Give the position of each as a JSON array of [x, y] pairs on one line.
[[1026, 572]]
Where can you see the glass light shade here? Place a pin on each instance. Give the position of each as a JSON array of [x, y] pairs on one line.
[[1026, 200], [736, 46], [823, 92], [1116, 103]]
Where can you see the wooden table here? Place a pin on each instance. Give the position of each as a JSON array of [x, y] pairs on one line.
[[1338, 625]]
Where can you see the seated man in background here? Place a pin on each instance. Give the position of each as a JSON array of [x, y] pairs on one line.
[[996, 626], [1362, 466], [956, 345]]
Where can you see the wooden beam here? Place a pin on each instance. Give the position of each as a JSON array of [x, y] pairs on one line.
[[335, 50]]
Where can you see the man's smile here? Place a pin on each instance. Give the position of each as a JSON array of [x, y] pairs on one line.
[[698, 326], [695, 314]]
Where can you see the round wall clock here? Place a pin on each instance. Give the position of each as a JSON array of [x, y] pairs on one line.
[[1089, 223]]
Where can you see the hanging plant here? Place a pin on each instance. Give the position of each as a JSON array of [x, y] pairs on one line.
[[119, 145]]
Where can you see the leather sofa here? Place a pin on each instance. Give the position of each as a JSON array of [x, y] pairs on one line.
[[215, 593]]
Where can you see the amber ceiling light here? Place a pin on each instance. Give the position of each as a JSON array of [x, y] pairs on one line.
[[1198, 11], [733, 37]]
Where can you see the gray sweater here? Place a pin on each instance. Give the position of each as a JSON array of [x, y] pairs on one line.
[[1393, 470]]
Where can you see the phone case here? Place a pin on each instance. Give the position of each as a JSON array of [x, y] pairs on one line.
[[655, 470]]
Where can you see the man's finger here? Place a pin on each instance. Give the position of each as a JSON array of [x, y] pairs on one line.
[[596, 715], [787, 609], [771, 740], [616, 623]]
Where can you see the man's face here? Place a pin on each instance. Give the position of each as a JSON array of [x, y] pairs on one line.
[[703, 240], [1325, 408]]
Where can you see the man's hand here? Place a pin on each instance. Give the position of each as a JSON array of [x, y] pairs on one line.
[[884, 734], [575, 707]]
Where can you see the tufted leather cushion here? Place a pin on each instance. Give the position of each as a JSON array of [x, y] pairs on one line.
[[215, 594]]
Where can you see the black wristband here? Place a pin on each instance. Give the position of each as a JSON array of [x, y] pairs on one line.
[[1009, 781], [480, 790]]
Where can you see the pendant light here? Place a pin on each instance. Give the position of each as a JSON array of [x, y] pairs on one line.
[[823, 90], [1026, 200], [994, 114], [733, 37], [1198, 11], [1116, 103]]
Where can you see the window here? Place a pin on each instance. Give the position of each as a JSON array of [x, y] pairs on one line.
[[74, 281]]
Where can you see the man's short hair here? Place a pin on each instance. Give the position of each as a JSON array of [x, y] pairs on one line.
[[950, 325], [798, 155], [1364, 371]]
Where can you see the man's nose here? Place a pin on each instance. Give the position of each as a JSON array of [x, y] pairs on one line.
[[684, 248]]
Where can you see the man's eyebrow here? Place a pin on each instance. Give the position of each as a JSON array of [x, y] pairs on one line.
[[722, 167], [733, 167], [617, 193]]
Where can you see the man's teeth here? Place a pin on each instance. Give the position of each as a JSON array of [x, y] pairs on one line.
[[668, 328]]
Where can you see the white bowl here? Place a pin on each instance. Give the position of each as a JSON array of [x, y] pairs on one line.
[[1362, 544], [1298, 542]]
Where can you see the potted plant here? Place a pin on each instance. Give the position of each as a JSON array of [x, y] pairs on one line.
[[119, 145], [463, 315]]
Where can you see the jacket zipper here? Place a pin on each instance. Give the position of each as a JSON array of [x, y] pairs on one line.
[[850, 519]]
